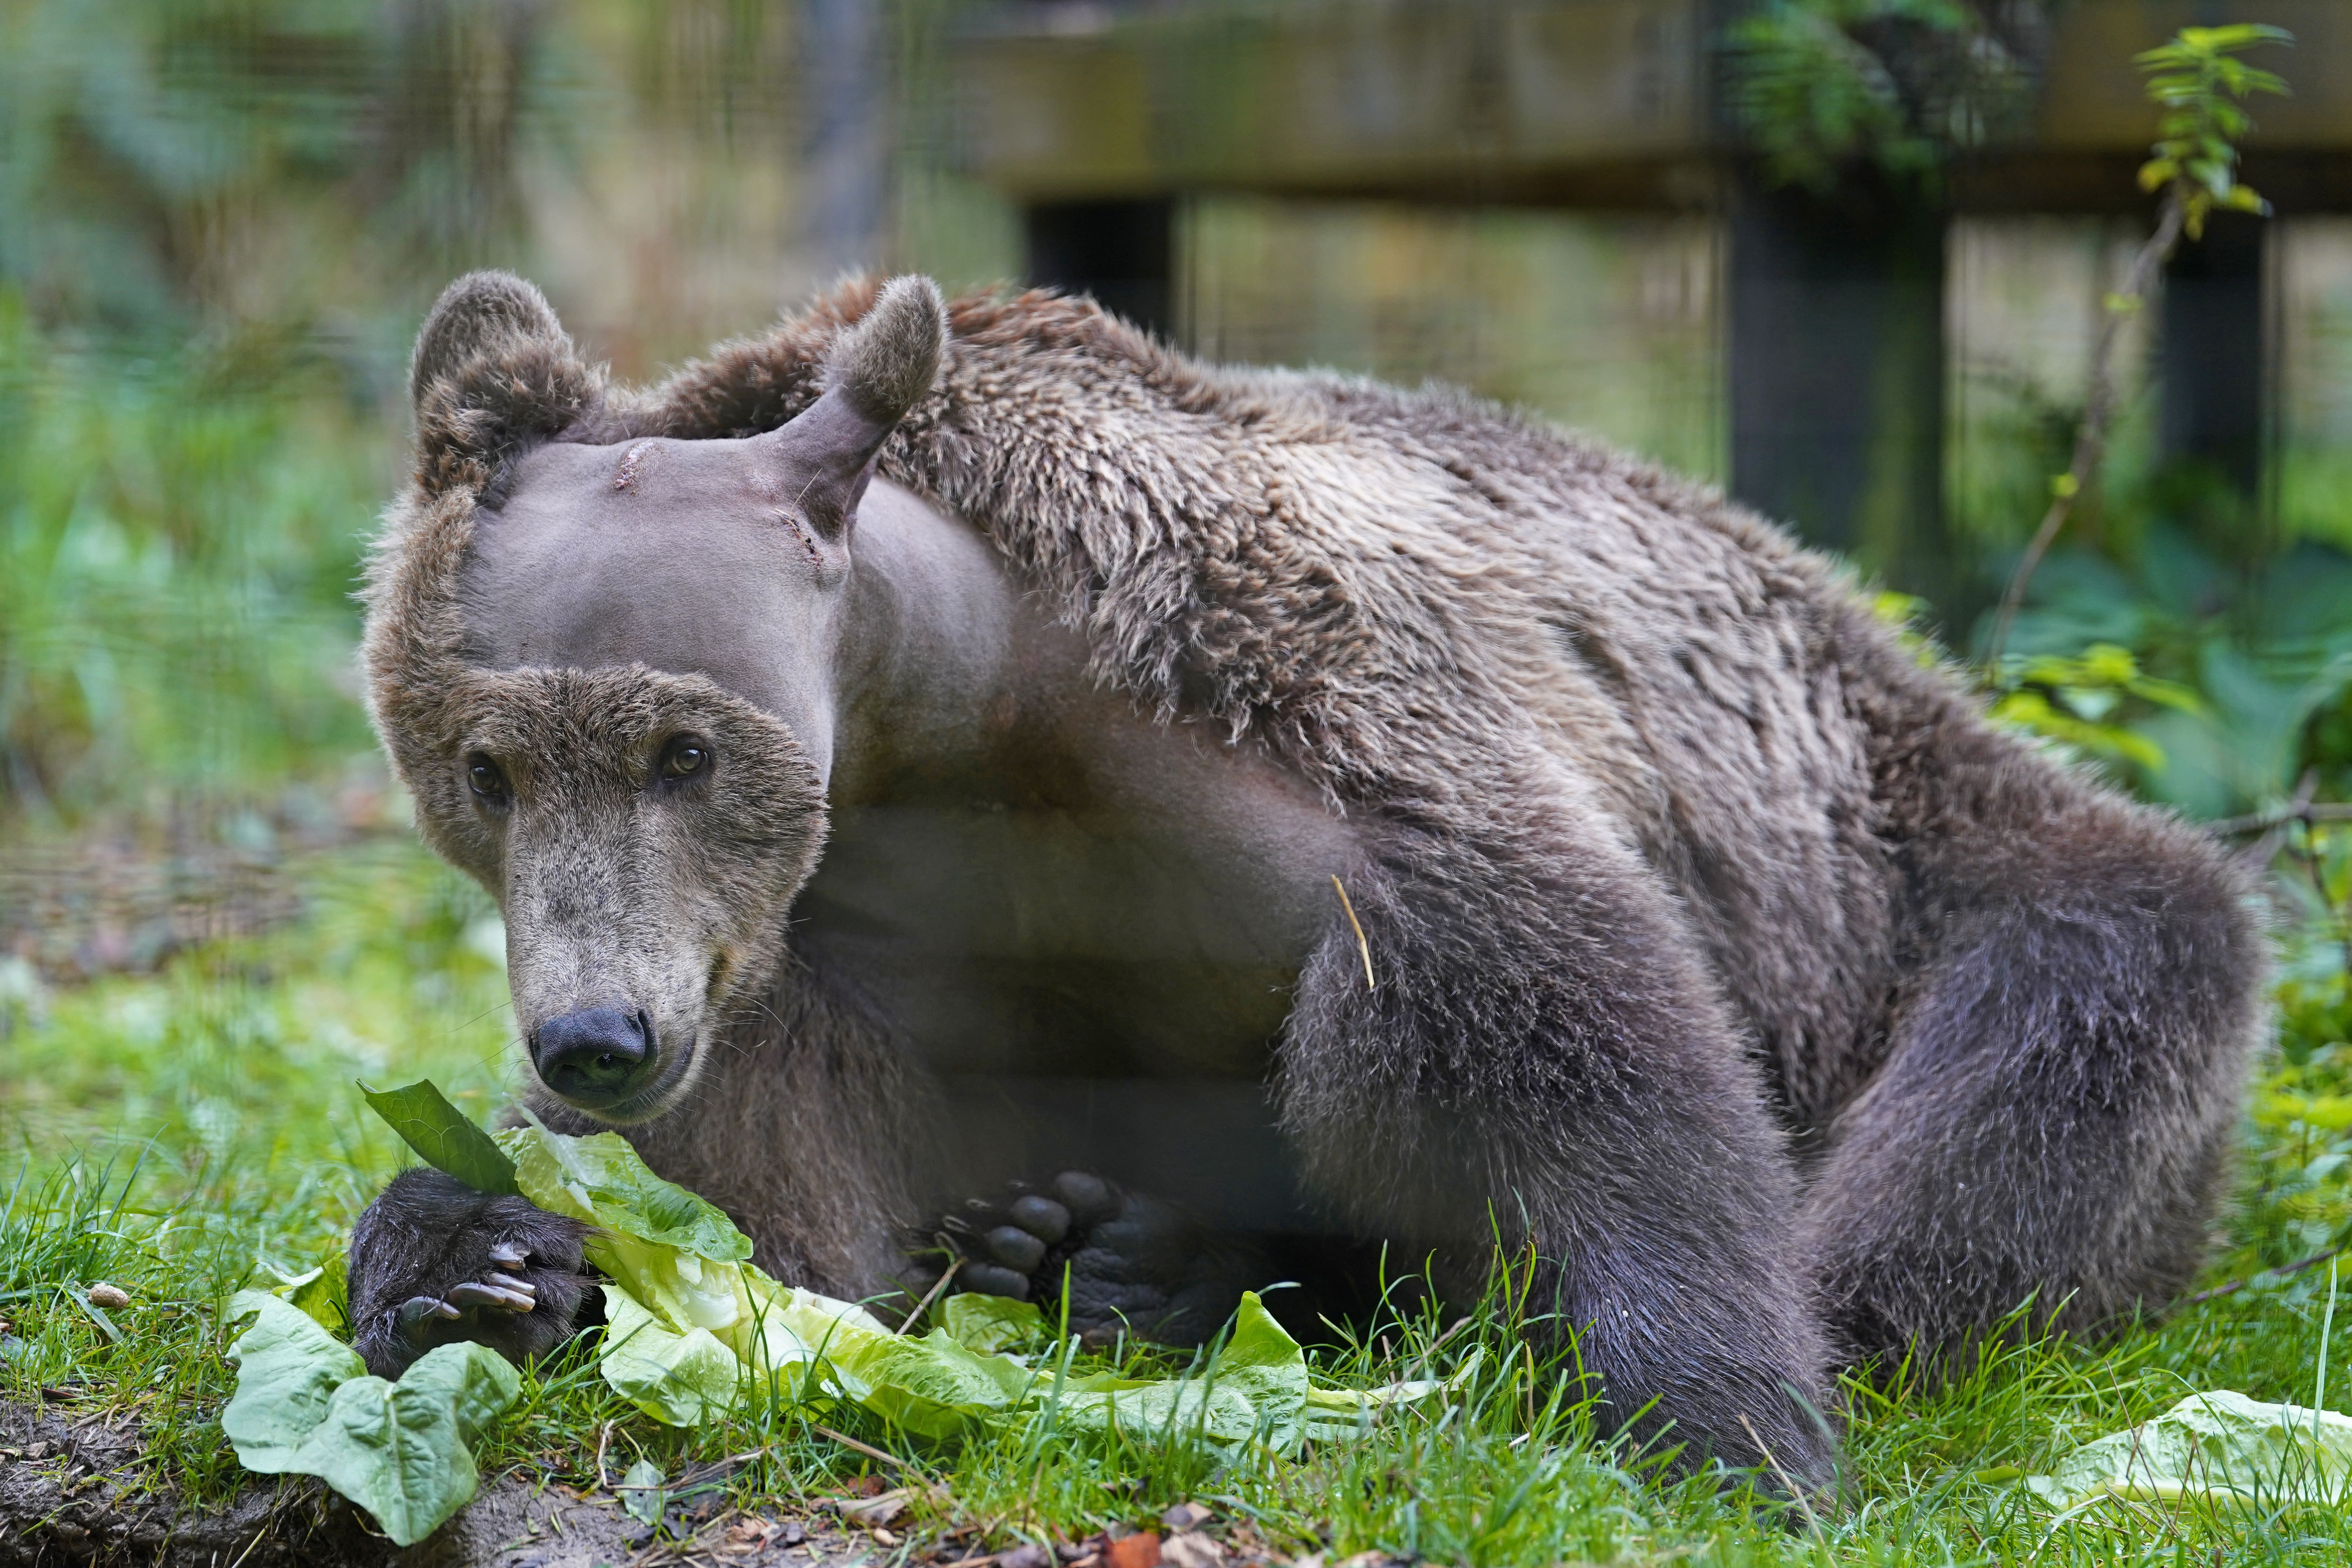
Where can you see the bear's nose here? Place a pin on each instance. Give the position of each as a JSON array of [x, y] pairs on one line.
[[594, 1056]]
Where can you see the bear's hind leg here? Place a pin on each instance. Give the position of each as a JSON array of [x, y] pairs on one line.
[[1537, 1056], [2064, 1075]]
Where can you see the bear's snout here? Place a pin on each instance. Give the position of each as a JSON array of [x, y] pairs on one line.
[[596, 1058]]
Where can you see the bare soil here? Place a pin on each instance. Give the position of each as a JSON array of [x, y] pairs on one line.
[[74, 1491]]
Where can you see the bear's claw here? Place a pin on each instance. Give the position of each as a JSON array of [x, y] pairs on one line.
[[434, 1262]]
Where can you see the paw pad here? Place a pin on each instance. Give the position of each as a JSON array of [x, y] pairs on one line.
[[1129, 1263]]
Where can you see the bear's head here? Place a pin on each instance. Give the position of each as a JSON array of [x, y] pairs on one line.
[[601, 662]]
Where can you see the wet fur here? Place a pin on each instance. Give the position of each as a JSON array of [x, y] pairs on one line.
[[1677, 861]]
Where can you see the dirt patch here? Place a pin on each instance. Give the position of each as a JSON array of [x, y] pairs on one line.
[[71, 1492], [515, 1524]]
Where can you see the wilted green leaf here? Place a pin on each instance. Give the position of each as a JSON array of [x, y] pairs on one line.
[[288, 1369], [1335, 1413], [931, 1386], [641, 1492], [404, 1450], [1252, 1391], [692, 1327], [601, 1179], [2222, 1446], [992, 1323], [443, 1136]]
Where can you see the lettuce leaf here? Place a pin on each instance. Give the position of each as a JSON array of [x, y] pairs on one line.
[[1252, 1391], [682, 1378], [288, 1369], [992, 1323], [2222, 1446], [443, 1136], [403, 1451], [693, 1328], [602, 1180]]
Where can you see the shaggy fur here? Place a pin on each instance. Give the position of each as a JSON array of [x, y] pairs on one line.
[[1661, 829], [429, 1226], [1890, 894]]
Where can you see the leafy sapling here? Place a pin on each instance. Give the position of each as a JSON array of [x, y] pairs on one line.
[[2199, 83]]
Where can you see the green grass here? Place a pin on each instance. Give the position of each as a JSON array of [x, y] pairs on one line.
[[186, 1133]]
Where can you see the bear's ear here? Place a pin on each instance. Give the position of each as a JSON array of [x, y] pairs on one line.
[[493, 371], [877, 370]]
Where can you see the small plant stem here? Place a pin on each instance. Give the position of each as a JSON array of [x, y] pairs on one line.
[[931, 1295], [2326, 1328], [1421, 1363], [2263, 821], [1796, 1492], [868, 1449], [1362, 945], [2098, 407]]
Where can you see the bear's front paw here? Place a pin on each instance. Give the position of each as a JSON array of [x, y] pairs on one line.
[[434, 1262], [1131, 1263]]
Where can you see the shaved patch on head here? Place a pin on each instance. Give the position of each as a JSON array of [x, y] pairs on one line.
[[628, 474]]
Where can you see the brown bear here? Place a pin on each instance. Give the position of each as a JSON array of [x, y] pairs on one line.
[[929, 748]]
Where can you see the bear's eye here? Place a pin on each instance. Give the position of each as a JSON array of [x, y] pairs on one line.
[[683, 757], [489, 784]]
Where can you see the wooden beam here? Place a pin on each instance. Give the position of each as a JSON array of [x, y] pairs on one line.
[[1325, 96], [1574, 103]]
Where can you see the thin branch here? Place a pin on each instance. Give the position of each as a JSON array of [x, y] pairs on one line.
[[2264, 821], [1813, 1522], [2265, 846], [2098, 408], [1362, 945], [2282, 1271]]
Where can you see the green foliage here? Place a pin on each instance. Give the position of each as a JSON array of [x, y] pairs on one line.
[[443, 1136], [152, 150], [1822, 85], [2210, 689], [2076, 700], [2199, 81], [404, 1450], [179, 537], [692, 1327]]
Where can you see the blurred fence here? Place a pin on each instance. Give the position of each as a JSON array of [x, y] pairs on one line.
[[226, 217]]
